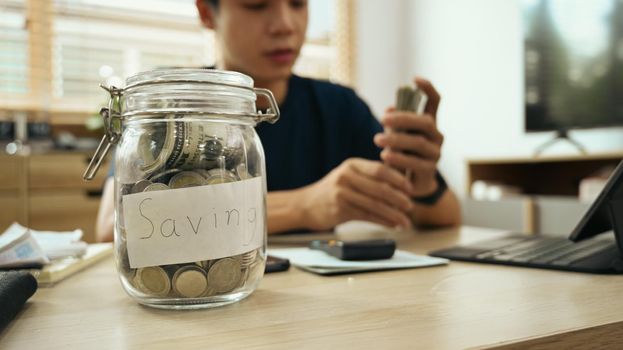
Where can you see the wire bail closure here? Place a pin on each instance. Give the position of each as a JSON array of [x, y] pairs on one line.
[[272, 113], [112, 127], [112, 117]]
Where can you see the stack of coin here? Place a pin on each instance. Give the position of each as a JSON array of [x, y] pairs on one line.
[[248, 258], [256, 271], [192, 280]]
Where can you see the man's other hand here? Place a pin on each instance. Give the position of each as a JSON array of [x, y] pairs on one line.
[[417, 147], [358, 189]]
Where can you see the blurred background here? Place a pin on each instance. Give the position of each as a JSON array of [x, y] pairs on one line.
[[531, 109]]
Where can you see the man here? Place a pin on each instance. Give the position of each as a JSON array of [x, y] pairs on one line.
[[324, 160]]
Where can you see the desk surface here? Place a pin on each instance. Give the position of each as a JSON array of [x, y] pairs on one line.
[[456, 306]]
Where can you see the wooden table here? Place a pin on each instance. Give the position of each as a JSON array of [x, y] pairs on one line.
[[461, 305]]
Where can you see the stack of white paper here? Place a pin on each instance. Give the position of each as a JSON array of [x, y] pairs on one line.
[[59, 245], [20, 246]]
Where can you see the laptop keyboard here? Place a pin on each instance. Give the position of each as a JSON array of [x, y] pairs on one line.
[[545, 251]]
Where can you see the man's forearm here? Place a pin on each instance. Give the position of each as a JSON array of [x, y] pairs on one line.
[[446, 212], [284, 211], [105, 215]]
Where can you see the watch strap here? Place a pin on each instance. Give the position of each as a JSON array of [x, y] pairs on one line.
[[434, 197]]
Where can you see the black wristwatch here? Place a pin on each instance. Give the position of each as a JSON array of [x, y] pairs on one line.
[[432, 198]]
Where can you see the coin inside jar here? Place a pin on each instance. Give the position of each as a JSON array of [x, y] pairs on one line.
[[190, 281], [140, 186], [164, 176], [256, 271], [206, 264], [219, 176], [242, 172], [224, 275], [156, 187], [153, 280], [248, 258], [186, 179]]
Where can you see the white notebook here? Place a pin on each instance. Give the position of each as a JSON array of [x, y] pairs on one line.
[[319, 262]]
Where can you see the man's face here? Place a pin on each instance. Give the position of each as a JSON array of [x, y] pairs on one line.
[[261, 38]]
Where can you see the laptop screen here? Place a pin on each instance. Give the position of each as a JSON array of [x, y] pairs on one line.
[[597, 218]]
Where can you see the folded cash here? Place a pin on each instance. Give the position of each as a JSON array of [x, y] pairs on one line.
[[410, 99]]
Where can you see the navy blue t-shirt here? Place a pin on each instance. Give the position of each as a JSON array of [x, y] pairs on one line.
[[321, 125]]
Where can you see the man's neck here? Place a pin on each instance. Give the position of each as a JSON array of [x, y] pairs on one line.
[[279, 87]]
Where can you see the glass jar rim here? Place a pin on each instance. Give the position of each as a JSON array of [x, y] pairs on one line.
[[194, 75]]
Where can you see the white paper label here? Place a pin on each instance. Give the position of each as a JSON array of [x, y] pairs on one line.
[[195, 223]]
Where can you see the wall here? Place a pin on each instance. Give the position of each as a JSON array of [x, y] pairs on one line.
[[472, 51], [381, 33]]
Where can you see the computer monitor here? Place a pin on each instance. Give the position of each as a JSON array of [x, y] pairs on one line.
[[573, 64], [605, 213]]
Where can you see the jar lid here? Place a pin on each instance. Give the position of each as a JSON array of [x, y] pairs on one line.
[[190, 75], [161, 92]]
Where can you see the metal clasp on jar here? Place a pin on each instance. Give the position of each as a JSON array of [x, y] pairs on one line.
[[272, 114], [112, 126]]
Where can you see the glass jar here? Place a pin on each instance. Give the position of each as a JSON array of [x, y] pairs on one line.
[[190, 186]]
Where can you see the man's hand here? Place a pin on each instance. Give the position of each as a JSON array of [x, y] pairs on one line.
[[418, 146], [358, 189]]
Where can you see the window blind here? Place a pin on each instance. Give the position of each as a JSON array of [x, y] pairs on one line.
[[55, 53], [13, 48]]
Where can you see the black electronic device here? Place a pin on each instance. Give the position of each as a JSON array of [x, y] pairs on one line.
[[275, 264], [585, 250], [39, 130], [375, 249]]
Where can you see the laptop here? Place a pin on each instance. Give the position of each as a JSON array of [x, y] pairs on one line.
[[594, 246]]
